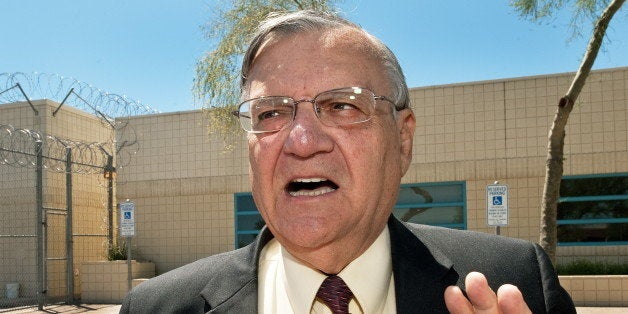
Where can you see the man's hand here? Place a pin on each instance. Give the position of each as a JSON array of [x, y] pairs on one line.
[[482, 299]]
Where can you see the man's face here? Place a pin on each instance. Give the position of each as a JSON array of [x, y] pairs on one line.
[[320, 187]]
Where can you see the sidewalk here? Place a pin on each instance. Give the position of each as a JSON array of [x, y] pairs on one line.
[[68, 309], [601, 310], [115, 308]]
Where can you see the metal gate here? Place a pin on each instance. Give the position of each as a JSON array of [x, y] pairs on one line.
[[40, 195]]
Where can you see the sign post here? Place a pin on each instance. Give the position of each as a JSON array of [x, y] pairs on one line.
[[497, 205], [127, 230]]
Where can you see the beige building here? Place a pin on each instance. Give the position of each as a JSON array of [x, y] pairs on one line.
[[193, 197]]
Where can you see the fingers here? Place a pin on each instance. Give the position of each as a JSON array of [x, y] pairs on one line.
[[482, 299], [456, 302], [510, 300]]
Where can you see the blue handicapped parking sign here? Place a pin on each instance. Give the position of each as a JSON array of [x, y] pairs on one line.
[[497, 205], [127, 215]]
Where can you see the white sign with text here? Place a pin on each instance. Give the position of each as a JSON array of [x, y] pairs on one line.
[[497, 205], [127, 219]]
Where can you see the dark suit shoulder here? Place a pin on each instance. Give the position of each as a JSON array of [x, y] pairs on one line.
[[434, 233], [179, 290], [495, 256], [502, 260]]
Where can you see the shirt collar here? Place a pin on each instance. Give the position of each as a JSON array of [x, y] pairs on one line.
[[368, 277]]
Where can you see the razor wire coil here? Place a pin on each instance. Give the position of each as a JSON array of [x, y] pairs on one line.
[[18, 148], [76, 93], [15, 143]]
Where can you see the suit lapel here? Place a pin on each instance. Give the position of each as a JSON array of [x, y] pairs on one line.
[[421, 272], [233, 289]]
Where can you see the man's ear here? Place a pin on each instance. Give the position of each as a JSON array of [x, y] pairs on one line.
[[406, 124]]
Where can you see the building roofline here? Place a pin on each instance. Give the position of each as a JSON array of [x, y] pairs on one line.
[[520, 78]]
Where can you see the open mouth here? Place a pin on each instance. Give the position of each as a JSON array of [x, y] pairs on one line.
[[310, 187]]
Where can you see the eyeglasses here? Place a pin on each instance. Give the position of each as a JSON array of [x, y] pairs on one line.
[[342, 106]]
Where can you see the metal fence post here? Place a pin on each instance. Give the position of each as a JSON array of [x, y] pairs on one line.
[[69, 240], [109, 171], [129, 269], [39, 182]]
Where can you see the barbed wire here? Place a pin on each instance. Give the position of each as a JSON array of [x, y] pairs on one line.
[[18, 149], [20, 86]]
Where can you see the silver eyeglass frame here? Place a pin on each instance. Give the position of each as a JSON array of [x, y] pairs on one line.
[[312, 101]]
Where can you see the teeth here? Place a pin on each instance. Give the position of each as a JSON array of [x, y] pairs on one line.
[[307, 180], [316, 192], [311, 186]]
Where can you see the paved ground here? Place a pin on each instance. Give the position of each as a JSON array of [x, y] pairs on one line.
[[68, 309], [602, 310], [114, 308]]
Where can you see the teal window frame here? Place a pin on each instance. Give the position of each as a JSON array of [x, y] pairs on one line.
[[238, 200], [461, 203], [574, 199]]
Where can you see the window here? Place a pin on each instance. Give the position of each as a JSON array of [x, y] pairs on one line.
[[248, 221], [438, 204], [593, 210]]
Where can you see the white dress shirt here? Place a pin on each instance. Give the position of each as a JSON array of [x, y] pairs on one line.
[[288, 286]]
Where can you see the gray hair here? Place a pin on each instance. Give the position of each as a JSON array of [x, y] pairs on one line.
[[283, 24]]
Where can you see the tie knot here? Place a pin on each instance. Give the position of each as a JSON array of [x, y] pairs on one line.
[[335, 293]]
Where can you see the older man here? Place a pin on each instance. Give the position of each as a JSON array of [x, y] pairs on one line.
[[330, 135]]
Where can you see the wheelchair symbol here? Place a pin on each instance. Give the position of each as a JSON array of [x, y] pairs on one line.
[[497, 200], [127, 215]]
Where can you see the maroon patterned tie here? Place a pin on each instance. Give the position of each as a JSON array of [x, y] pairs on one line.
[[335, 294]]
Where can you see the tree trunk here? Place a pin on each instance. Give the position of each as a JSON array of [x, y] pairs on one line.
[[556, 141]]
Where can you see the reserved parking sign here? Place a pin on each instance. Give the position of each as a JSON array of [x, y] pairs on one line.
[[497, 205], [127, 219]]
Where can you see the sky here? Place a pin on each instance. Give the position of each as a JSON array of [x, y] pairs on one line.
[[148, 49]]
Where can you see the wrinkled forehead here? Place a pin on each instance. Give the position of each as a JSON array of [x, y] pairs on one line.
[[345, 37], [324, 47], [348, 37]]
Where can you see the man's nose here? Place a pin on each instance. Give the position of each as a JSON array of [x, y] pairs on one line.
[[308, 136]]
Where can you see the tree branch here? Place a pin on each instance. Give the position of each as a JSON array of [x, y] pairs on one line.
[[592, 49], [299, 4]]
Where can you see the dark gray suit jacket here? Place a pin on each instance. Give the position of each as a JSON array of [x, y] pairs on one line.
[[425, 261]]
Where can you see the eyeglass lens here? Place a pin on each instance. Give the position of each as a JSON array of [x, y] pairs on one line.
[[335, 107]]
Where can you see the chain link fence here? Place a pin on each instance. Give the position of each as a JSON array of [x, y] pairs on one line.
[[57, 194], [53, 215]]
